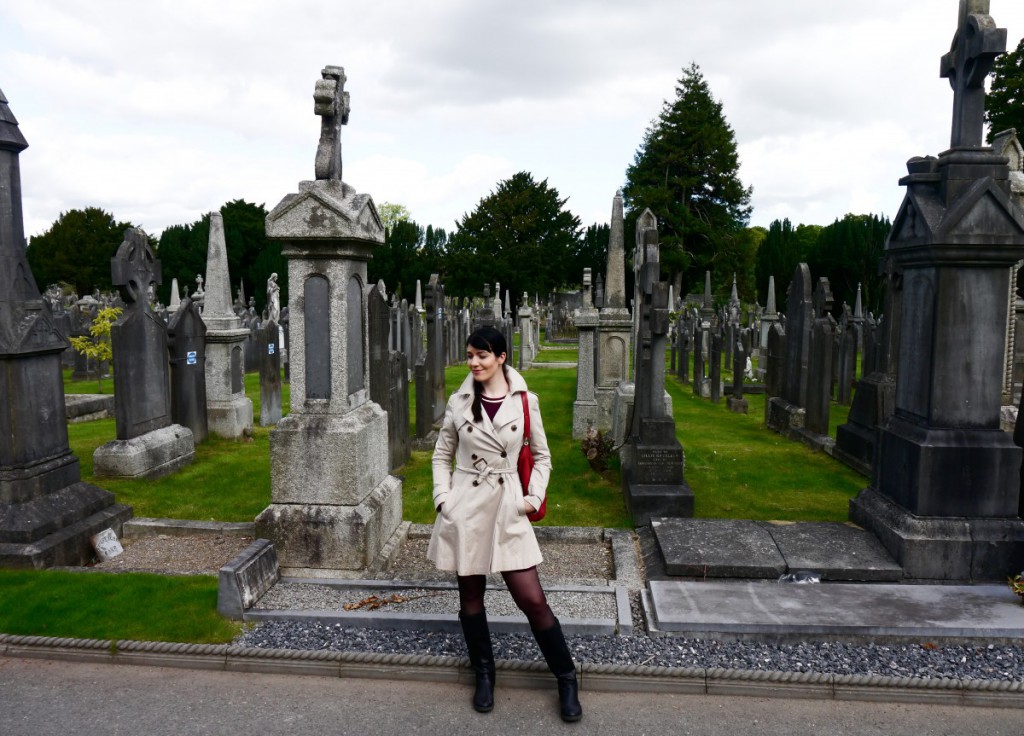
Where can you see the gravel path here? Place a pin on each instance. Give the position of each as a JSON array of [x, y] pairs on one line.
[[567, 562]]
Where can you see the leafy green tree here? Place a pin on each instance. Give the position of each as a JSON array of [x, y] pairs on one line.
[[1005, 102], [77, 250], [782, 249], [97, 346], [521, 235], [251, 256], [687, 172], [390, 214], [847, 252]]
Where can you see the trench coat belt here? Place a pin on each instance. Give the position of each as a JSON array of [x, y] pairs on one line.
[[486, 473]]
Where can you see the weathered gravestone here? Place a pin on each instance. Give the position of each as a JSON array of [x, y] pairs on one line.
[[270, 373], [335, 511], [584, 409], [819, 365], [148, 443], [787, 411], [228, 410], [389, 382], [944, 498], [186, 342], [736, 403], [652, 459], [47, 514]]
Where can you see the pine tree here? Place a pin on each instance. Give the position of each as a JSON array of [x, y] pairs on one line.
[[520, 235], [1005, 101], [77, 250], [687, 172]]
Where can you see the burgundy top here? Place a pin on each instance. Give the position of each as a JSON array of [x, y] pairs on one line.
[[491, 405]]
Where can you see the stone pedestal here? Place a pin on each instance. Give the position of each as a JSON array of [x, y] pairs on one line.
[[335, 511], [584, 409], [150, 455]]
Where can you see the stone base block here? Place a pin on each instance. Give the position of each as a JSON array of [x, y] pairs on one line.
[[737, 406], [329, 459], [942, 548], [231, 419], [584, 416], [622, 411], [649, 494], [855, 447], [972, 473], [781, 416], [326, 540], [245, 579], [152, 455], [68, 546]]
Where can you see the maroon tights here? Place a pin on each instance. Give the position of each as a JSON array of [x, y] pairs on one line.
[[523, 585]]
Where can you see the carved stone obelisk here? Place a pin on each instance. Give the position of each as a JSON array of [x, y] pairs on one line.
[[47, 514], [614, 329], [335, 511]]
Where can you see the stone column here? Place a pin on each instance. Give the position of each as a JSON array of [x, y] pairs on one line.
[[584, 410], [527, 350], [614, 329], [335, 511], [228, 410]]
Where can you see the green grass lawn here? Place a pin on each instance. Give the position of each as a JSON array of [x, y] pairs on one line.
[[559, 355], [108, 606]]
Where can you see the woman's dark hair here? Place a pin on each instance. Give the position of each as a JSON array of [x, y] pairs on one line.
[[490, 339]]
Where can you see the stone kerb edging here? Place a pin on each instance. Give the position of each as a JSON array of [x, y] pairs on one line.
[[597, 677]]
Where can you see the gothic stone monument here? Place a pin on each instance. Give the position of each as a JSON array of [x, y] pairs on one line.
[[944, 494], [335, 511], [148, 444], [47, 513]]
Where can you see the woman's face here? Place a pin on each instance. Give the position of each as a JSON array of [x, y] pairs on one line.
[[483, 363]]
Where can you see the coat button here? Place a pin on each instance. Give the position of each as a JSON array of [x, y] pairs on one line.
[[513, 428], [476, 482], [504, 454], [474, 456], [501, 481], [469, 429]]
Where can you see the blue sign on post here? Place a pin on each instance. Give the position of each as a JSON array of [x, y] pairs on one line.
[[190, 357], [270, 348]]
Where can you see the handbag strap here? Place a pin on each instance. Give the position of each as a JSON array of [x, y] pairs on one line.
[[526, 421]]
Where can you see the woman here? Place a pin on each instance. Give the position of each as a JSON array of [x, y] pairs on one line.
[[481, 525]]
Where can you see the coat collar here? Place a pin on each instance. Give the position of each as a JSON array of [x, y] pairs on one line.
[[510, 410], [516, 383]]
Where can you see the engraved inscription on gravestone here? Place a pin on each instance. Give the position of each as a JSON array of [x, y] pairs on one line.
[[658, 464]]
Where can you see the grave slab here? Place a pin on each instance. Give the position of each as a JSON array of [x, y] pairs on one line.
[[846, 611], [731, 548], [835, 551]]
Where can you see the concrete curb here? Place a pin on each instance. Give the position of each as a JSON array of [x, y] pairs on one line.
[[150, 527], [596, 677]]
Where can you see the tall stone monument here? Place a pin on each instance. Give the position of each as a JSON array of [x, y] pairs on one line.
[[614, 328], [228, 410], [47, 513], [944, 494], [148, 443], [652, 459], [584, 409], [335, 511]]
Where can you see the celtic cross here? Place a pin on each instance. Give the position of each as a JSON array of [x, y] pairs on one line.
[[331, 104], [975, 46]]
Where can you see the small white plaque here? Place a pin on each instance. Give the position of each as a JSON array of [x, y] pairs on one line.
[[106, 545]]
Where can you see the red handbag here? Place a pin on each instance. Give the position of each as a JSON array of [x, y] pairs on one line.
[[525, 464]]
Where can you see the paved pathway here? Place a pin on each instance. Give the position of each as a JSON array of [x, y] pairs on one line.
[[50, 697]]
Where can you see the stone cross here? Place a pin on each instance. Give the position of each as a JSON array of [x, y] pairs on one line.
[[975, 46], [331, 103], [134, 268]]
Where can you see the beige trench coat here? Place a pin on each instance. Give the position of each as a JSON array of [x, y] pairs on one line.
[[482, 527]]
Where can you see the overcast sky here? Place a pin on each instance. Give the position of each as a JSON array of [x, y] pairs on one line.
[[159, 111]]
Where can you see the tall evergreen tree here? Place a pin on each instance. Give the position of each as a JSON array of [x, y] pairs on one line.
[[1005, 102], [783, 248], [848, 252], [687, 172], [521, 235], [77, 250]]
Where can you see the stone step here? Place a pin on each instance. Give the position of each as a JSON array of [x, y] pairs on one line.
[[736, 548]]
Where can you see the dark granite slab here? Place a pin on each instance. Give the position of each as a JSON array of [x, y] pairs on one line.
[[835, 551], [721, 548]]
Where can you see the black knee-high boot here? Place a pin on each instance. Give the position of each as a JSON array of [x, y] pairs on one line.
[[556, 654], [481, 656]]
